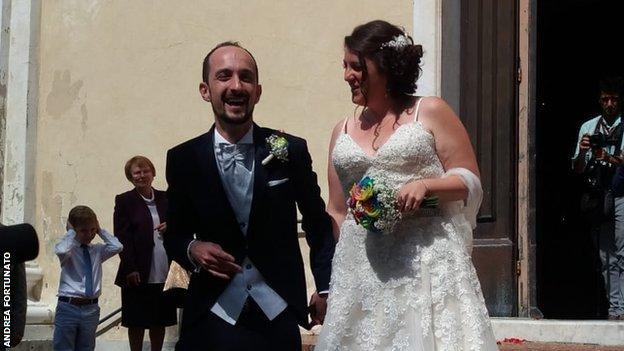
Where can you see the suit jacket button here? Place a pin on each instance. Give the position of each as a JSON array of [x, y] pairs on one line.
[[249, 287], [248, 266]]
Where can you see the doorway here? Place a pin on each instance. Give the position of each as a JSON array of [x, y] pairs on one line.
[[578, 43]]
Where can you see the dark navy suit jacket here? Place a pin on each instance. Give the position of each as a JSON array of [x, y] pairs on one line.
[[198, 205]]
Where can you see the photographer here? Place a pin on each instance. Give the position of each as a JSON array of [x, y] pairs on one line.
[[598, 155], [18, 243]]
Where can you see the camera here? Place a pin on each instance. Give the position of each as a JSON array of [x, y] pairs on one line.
[[598, 140], [20, 241]]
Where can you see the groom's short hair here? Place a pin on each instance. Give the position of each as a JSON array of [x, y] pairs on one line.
[[206, 64]]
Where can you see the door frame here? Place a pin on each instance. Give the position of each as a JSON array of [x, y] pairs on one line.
[[527, 273]]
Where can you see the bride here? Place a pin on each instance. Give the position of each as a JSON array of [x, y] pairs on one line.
[[414, 288]]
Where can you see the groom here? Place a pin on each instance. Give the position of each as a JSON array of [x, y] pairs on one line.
[[232, 220]]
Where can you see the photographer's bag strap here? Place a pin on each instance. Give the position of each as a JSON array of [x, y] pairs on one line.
[[616, 137]]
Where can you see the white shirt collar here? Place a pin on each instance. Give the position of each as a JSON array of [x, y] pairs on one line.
[[246, 139], [616, 121]]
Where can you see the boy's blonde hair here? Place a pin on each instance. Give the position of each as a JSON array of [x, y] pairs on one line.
[[81, 216]]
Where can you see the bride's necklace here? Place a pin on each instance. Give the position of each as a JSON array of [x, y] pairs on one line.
[[376, 134], [378, 127]]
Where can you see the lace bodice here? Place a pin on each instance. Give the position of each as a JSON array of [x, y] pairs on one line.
[[407, 155], [414, 289]]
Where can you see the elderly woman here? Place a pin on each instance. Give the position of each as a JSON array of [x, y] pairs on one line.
[[139, 222]]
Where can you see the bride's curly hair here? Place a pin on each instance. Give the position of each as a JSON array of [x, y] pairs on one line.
[[400, 64]]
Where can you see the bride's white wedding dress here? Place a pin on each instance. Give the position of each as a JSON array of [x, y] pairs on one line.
[[415, 288]]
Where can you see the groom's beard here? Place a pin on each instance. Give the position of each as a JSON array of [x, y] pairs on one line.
[[227, 119], [224, 117]]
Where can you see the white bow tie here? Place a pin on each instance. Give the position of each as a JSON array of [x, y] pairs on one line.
[[231, 154]]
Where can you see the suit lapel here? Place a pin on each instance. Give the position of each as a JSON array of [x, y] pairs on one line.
[[160, 205], [146, 216], [210, 180], [260, 175]]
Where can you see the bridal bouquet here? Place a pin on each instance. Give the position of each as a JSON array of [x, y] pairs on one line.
[[373, 205]]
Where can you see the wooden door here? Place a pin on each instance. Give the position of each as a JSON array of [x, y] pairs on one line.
[[488, 108]]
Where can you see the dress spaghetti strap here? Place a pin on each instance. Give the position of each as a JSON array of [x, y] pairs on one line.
[[344, 125], [420, 99]]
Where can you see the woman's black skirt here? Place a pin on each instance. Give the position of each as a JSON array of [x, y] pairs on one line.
[[145, 306]]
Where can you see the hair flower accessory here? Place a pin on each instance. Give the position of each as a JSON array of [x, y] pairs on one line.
[[278, 147], [398, 42]]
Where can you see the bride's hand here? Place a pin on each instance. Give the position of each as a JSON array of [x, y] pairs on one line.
[[411, 195], [318, 308]]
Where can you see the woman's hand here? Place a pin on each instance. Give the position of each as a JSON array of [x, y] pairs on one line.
[[411, 195], [162, 227], [318, 308], [133, 279]]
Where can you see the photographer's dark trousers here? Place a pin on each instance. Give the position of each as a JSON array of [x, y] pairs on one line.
[[611, 247]]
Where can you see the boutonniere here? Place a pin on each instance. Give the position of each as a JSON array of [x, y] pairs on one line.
[[278, 147]]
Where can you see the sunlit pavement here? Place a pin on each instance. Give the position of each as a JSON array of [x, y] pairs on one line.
[[512, 345]]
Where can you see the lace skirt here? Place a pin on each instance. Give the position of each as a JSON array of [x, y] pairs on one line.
[[415, 289]]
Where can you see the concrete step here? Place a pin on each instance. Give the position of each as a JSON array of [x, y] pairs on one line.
[[595, 332], [538, 346], [546, 335], [101, 345], [308, 345]]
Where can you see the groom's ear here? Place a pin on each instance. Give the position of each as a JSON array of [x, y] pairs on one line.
[[204, 91], [258, 93]]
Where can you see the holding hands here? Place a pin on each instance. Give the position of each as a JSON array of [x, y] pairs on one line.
[[318, 308], [133, 279]]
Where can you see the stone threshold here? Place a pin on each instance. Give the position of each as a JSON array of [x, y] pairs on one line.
[[598, 332], [586, 334], [544, 334]]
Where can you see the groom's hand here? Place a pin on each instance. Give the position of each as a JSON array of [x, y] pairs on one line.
[[317, 308], [211, 257]]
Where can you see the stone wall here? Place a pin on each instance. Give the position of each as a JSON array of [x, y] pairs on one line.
[[120, 78]]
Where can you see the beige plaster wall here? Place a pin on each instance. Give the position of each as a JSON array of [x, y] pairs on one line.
[[120, 78]]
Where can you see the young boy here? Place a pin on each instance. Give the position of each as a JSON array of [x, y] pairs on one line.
[[77, 311]]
